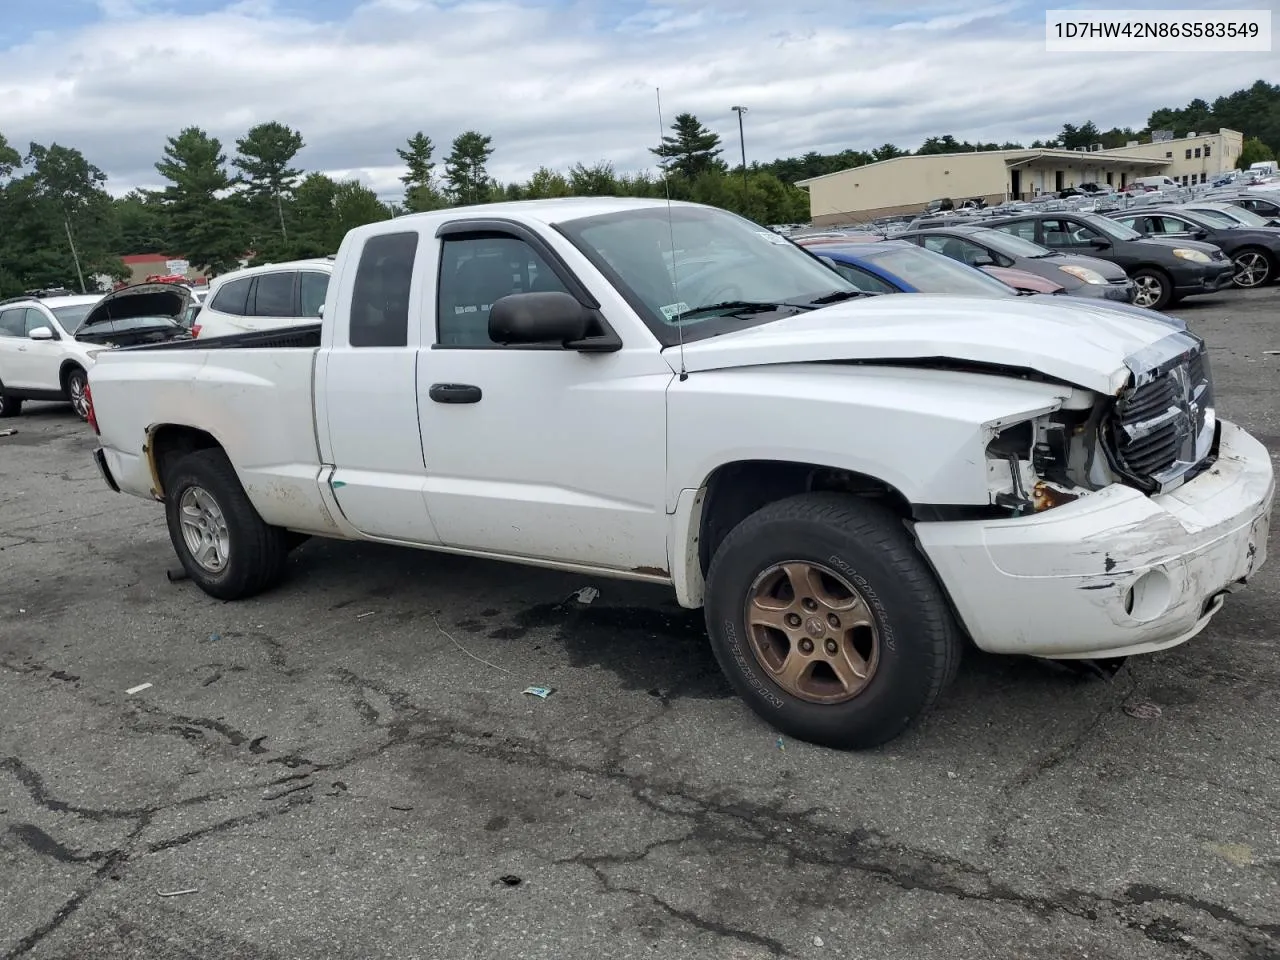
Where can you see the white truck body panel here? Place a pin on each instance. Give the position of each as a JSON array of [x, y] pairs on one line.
[[599, 461]]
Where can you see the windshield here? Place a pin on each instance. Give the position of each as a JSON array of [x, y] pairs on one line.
[[72, 317], [1010, 245], [1116, 231], [931, 272], [1215, 217], [668, 263]]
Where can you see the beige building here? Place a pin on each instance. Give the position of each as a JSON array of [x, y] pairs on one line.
[[904, 185]]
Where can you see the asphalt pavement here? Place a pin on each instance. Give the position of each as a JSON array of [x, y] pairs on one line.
[[348, 767]]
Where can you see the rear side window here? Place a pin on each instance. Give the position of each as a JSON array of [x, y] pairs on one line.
[[233, 298], [312, 287], [380, 295], [273, 295]]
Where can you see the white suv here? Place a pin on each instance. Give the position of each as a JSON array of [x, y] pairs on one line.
[[48, 341], [264, 298], [40, 359]]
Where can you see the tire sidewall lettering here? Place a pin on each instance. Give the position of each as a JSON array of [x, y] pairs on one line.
[[887, 636], [745, 663]]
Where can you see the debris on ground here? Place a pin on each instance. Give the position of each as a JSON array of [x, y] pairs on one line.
[[176, 893], [586, 594], [177, 574], [781, 745], [817, 941], [584, 794], [8, 433], [138, 689], [511, 880], [214, 638], [1142, 710], [401, 809], [1270, 353], [367, 613], [541, 692], [952, 775]]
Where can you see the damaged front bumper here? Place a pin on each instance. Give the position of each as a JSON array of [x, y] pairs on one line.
[[1116, 572]]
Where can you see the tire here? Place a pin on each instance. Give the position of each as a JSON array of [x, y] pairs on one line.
[[9, 406], [1155, 288], [909, 645], [1254, 268], [254, 555], [76, 382]]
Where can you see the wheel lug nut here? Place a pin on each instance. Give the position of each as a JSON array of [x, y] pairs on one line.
[[793, 619], [831, 647], [834, 621], [806, 646], [810, 603]]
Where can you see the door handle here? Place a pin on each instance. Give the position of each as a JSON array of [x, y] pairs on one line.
[[454, 393]]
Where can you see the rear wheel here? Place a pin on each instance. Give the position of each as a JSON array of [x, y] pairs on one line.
[[1253, 268], [222, 542], [9, 406], [1155, 289], [828, 622], [77, 381]]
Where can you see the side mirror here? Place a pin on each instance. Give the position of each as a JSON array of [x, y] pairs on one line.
[[1201, 234], [545, 317], [1100, 243], [827, 260], [320, 312], [42, 333], [982, 262]]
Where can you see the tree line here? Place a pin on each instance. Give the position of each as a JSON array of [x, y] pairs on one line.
[[218, 206]]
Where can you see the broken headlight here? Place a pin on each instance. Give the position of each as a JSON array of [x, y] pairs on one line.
[[1038, 464]]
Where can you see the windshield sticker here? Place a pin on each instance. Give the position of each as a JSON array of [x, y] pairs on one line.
[[772, 237], [673, 310]]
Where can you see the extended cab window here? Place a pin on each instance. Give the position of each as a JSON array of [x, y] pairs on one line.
[[1025, 229], [233, 297], [380, 297], [1068, 233], [477, 270], [273, 295]]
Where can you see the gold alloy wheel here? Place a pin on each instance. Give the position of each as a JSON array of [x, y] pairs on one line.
[[812, 632]]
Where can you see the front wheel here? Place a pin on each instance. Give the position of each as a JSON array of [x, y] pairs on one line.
[[1155, 289], [222, 542], [77, 381], [828, 622]]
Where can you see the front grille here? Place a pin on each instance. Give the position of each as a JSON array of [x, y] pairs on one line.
[[1163, 427]]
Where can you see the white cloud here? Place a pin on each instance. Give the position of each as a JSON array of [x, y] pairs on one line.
[[575, 82]]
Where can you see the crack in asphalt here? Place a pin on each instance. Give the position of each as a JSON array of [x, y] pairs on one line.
[[713, 820]]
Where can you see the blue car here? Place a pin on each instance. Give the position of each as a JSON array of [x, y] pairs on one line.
[[897, 266]]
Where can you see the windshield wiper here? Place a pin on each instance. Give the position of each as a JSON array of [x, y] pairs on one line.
[[840, 295], [731, 308]]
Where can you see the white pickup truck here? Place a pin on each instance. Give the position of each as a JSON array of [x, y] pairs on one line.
[[851, 485]]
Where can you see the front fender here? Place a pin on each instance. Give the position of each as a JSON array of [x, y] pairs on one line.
[[921, 431]]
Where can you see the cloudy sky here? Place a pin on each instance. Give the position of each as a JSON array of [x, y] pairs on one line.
[[557, 81]]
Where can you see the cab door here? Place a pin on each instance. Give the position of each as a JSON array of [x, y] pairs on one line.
[[538, 451]]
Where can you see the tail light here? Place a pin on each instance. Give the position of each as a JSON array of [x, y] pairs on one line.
[[195, 330], [91, 416]]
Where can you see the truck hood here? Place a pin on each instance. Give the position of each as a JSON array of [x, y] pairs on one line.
[[168, 300], [1077, 343]]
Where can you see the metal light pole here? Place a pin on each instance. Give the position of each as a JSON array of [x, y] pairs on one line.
[[743, 143]]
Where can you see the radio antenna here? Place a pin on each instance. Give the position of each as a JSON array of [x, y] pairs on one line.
[[671, 233]]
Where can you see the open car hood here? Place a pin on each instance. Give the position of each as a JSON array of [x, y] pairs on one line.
[[139, 300], [1077, 342]]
